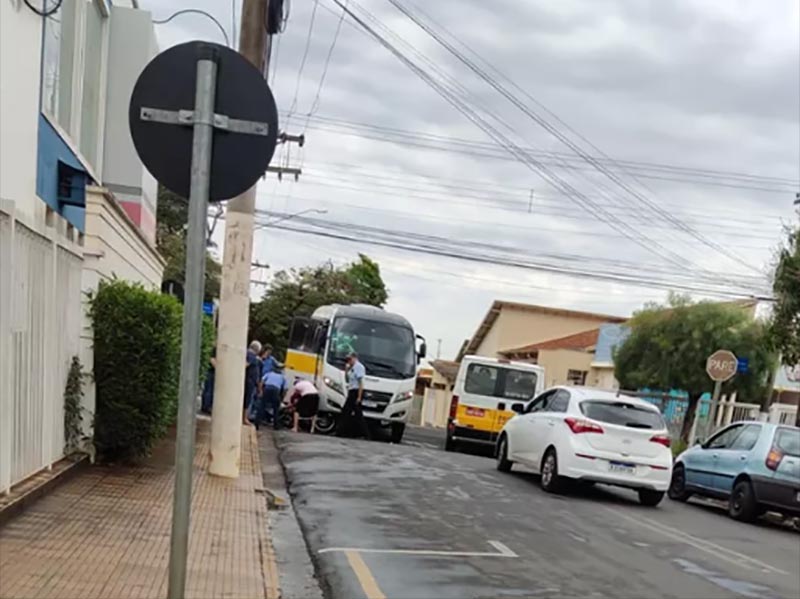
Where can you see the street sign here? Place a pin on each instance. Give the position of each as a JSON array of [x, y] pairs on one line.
[[245, 120], [721, 365], [743, 365]]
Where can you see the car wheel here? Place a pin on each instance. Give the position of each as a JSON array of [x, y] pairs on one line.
[[551, 481], [650, 498], [398, 428], [677, 486], [742, 504], [503, 463]]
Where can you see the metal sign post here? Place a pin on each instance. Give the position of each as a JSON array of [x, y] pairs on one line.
[[204, 123], [203, 132], [721, 366]]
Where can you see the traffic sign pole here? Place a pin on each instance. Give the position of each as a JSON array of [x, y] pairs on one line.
[[202, 141]]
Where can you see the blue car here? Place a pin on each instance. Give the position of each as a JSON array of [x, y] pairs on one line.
[[755, 466]]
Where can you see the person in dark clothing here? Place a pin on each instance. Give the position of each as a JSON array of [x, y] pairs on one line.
[[355, 373], [252, 377], [208, 385]]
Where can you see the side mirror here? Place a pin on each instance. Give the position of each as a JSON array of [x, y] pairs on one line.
[[519, 408], [423, 350]]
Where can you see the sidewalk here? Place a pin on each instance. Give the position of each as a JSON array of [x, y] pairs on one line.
[[106, 533]]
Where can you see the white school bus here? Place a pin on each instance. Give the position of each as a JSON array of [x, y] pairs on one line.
[[387, 347]]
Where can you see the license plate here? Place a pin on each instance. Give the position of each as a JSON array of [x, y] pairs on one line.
[[475, 412], [368, 404], [621, 468]]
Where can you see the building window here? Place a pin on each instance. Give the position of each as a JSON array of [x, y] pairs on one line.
[[92, 82], [58, 64], [576, 377]]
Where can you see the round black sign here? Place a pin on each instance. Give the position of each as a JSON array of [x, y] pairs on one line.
[[168, 84]]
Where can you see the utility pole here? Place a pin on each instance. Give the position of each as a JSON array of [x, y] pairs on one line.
[[234, 307], [438, 349]]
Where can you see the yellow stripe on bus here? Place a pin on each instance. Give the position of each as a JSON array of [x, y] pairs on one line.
[[301, 362]]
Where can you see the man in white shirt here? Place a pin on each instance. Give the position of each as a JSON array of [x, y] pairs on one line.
[[355, 373]]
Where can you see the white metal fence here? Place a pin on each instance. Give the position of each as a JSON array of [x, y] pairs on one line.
[[40, 316]]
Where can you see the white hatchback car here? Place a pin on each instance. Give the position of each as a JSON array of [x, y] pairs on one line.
[[591, 435]]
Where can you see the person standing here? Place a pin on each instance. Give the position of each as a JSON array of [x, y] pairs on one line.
[[208, 385], [274, 386], [252, 376], [355, 373], [268, 361]]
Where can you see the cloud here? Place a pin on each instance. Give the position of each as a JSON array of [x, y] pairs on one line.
[[700, 84]]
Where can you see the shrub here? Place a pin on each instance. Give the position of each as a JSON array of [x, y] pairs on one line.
[[137, 348], [73, 410]]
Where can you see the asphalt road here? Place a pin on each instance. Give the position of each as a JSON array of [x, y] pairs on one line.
[[411, 521]]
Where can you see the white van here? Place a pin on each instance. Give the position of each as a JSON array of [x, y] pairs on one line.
[[484, 391]]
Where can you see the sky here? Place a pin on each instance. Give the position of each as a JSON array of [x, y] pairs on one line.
[[647, 85]]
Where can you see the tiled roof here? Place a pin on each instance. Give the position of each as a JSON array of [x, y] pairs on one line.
[[579, 341]]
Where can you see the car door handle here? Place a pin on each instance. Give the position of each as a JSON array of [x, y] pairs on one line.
[[714, 456], [551, 423], [743, 458]]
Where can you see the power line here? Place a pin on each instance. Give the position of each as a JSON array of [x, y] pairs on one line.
[[196, 11], [502, 250], [641, 281], [311, 21], [536, 166], [644, 200], [648, 170]]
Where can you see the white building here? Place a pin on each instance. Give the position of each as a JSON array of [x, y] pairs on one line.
[[76, 205]]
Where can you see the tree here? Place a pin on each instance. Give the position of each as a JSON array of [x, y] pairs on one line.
[[299, 292], [172, 216], [784, 330], [668, 348]]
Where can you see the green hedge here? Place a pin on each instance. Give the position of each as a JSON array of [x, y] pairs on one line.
[[137, 349]]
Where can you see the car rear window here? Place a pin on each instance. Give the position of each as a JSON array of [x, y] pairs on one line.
[[622, 414], [788, 441]]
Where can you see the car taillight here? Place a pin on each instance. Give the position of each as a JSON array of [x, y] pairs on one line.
[[661, 440], [453, 407], [578, 426], [774, 458]]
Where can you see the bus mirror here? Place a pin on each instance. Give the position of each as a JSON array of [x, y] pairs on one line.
[[423, 350]]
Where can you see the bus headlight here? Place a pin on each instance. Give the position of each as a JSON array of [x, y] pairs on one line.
[[331, 384], [404, 396]]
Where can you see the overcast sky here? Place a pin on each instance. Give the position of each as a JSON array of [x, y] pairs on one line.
[[705, 84]]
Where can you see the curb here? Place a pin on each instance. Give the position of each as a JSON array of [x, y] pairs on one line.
[[28, 498]]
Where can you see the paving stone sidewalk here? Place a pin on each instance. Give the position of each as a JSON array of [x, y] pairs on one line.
[[106, 533]]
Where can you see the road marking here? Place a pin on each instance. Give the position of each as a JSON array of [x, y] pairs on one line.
[[365, 577], [718, 551], [502, 551]]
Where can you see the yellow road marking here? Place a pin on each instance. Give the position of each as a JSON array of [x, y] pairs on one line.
[[365, 577]]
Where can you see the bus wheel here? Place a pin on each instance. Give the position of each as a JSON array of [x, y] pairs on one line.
[[398, 428], [326, 423]]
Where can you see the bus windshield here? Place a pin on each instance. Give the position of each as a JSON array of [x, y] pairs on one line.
[[386, 350]]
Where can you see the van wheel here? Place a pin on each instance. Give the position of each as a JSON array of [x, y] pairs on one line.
[[551, 481], [742, 503], [398, 428], [503, 463], [450, 444]]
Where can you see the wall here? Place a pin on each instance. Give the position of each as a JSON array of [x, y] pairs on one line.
[[20, 54], [515, 328], [556, 363], [603, 377], [113, 247], [132, 44]]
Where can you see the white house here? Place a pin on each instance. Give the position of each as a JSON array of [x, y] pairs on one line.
[[76, 205]]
